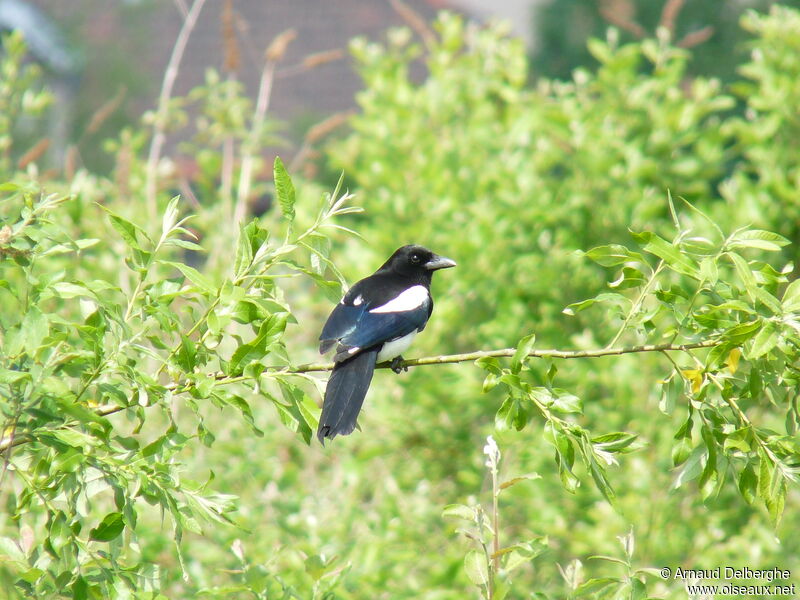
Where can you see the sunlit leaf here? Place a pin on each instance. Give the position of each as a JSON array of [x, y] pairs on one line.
[[284, 189], [109, 528]]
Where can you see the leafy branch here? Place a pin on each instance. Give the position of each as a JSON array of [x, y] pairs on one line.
[[222, 379], [511, 352]]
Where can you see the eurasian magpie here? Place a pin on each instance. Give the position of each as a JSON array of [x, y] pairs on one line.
[[375, 321]]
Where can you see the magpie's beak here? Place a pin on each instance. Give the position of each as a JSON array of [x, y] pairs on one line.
[[439, 262]]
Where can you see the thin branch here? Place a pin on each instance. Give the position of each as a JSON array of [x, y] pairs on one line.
[[273, 54], [182, 8], [509, 352], [171, 73], [109, 409], [312, 61], [415, 21], [621, 13], [690, 40], [317, 132], [637, 305], [669, 14]]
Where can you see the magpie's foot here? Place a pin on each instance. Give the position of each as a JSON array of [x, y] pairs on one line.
[[396, 366]]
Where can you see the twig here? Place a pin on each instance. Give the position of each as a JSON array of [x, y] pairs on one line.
[[274, 53], [171, 73], [182, 8], [415, 21], [637, 304], [317, 132], [509, 352], [108, 409], [34, 154], [669, 14], [312, 61], [621, 13], [104, 112], [690, 40]]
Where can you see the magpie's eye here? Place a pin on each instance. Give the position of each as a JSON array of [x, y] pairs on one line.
[[415, 259]]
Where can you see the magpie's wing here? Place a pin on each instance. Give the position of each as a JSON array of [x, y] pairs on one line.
[[342, 322], [353, 327], [353, 330]]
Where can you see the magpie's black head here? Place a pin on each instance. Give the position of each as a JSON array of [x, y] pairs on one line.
[[416, 261]]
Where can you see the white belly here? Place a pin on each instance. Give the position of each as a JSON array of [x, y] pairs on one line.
[[396, 347]]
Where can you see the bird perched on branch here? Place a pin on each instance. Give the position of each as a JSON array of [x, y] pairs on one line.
[[375, 321]]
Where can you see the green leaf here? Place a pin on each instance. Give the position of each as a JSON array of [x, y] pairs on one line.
[[289, 410], [601, 481], [748, 481], [489, 364], [476, 567], [34, 329], [764, 477], [523, 349], [766, 339], [70, 437], [609, 298], [739, 440], [459, 511], [127, 230], [612, 255], [80, 589], [628, 278], [565, 456], [592, 586], [745, 274], [692, 467], [669, 253], [516, 480], [11, 376], [768, 300], [186, 244], [791, 297], [186, 356], [521, 553], [738, 334], [245, 312], [618, 441], [244, 251], [195, 276], [709, 270], [315, 567], [566, 403], [758, 238], [65, 289], [671, 391], [284, 189], [110, 528], [638, 589], [241, 404], [683, 445], [58, 531], [507, 413], [270, 332], [170, 216], [9, 549], [776, 502]]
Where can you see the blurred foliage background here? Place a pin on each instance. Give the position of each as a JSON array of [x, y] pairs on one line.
[[148, 453]]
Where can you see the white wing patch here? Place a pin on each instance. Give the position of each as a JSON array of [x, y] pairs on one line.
[[358, 300], [396, 347], [411, 299]]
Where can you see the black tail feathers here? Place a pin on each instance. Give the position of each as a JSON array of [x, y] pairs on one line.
[[345, 394]]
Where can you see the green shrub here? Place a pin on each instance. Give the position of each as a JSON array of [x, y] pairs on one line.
[[155, 419]]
